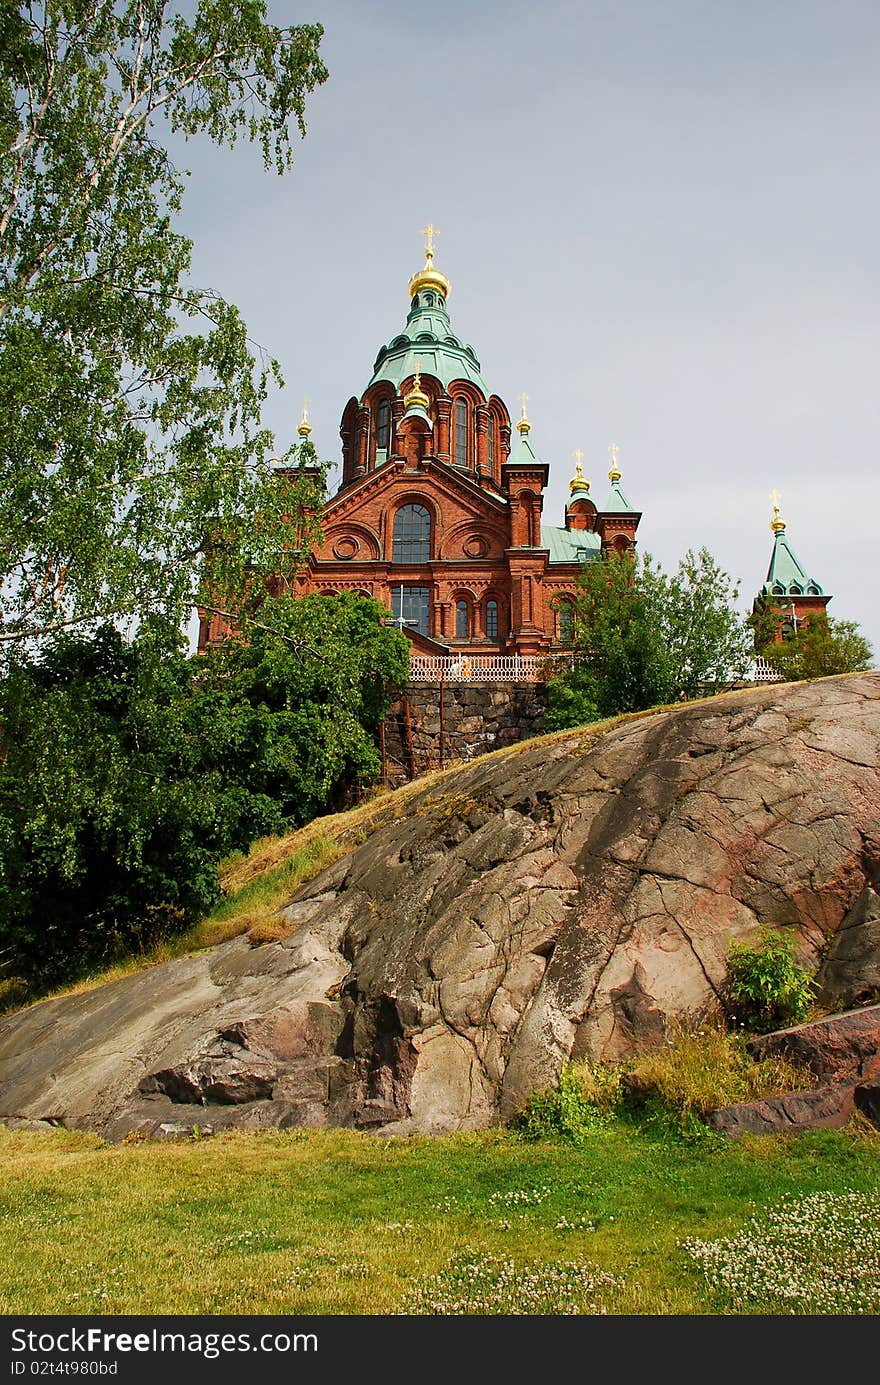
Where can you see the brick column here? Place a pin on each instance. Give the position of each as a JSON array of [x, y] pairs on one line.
[[397, 412], [481, 415], [363, 437], [444, 418]]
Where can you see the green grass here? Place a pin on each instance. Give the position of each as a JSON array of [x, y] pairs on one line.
[[336, 1222]]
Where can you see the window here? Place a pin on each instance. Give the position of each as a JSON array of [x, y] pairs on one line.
[[410, 607], [383, 424], [490, 454], [461, 432], [566, 624], [412, 535], [492, 620], [461, 620]]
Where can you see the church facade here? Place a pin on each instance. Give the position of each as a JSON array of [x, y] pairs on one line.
[[439, 513]]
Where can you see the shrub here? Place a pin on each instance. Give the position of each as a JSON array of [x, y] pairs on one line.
[[765, 988], [576, 1107]]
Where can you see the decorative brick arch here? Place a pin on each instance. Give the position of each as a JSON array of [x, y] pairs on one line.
[[368, 544], [454, 540]]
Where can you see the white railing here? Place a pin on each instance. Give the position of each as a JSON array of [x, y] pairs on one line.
[[517, 668], [475, 668], [763, 672]]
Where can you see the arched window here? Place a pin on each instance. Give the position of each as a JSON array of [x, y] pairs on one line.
[[490, 452], [461, 432], [492, 620], [383, 425], [461, 620], [412, 535], [566, 623]]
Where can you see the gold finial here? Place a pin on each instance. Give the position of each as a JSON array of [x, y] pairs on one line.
[[523, 426], [415, 395], [429, 277], [615, 473], [777, 523], [579, 481], [429, 232], [304, 426]]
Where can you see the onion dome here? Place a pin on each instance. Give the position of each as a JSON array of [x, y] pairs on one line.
[[305, 427], [427, 339], [429, 277], [416, 402], [579, 486]]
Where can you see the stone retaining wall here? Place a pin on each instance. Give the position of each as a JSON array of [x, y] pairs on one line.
[[428, 726]]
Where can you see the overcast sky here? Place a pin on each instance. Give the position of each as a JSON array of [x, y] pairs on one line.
[[660, 220]]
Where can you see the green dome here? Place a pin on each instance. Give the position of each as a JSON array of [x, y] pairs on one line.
[[428, 342]]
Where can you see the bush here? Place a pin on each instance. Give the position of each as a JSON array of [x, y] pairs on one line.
[[765, 988], [575, 1108]]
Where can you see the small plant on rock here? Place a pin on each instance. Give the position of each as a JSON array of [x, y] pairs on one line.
[[765, 988]]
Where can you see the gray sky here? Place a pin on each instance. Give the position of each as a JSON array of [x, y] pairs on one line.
[[661, 221]]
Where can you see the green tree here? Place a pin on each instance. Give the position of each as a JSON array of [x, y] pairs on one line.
[[127, 769], [642, 637], [130, 436], [820, 647]]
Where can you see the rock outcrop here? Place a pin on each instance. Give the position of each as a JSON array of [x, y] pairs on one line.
[[570, 898], [841, 1051]]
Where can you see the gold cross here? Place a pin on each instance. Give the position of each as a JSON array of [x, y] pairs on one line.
[[523, 400], [775, 497], [429, 232], [417, 379], [614, 449], [579, 457], [305, 417]]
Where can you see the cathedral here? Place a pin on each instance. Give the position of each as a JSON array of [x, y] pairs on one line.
[[439, 514]]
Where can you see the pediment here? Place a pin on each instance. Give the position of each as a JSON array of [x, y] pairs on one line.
[[436, 482]]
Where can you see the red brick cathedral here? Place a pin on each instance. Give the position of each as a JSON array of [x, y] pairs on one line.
[[439, 512]]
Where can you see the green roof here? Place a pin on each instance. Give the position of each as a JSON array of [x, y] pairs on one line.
[[786, 575], [522, 453], [570, 545], [617, 503], [428, 341]]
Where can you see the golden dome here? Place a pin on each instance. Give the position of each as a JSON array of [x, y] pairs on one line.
[[416, 396], [304, 426], [579, 481], [523, 425], [615, 472], [429, 277]]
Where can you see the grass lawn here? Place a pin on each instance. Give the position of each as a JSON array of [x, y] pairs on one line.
[[336, 1222]]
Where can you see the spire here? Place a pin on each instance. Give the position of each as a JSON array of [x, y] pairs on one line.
[[305, 427], [617, 502], [429, 277], [786, 575], [579, 486]]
